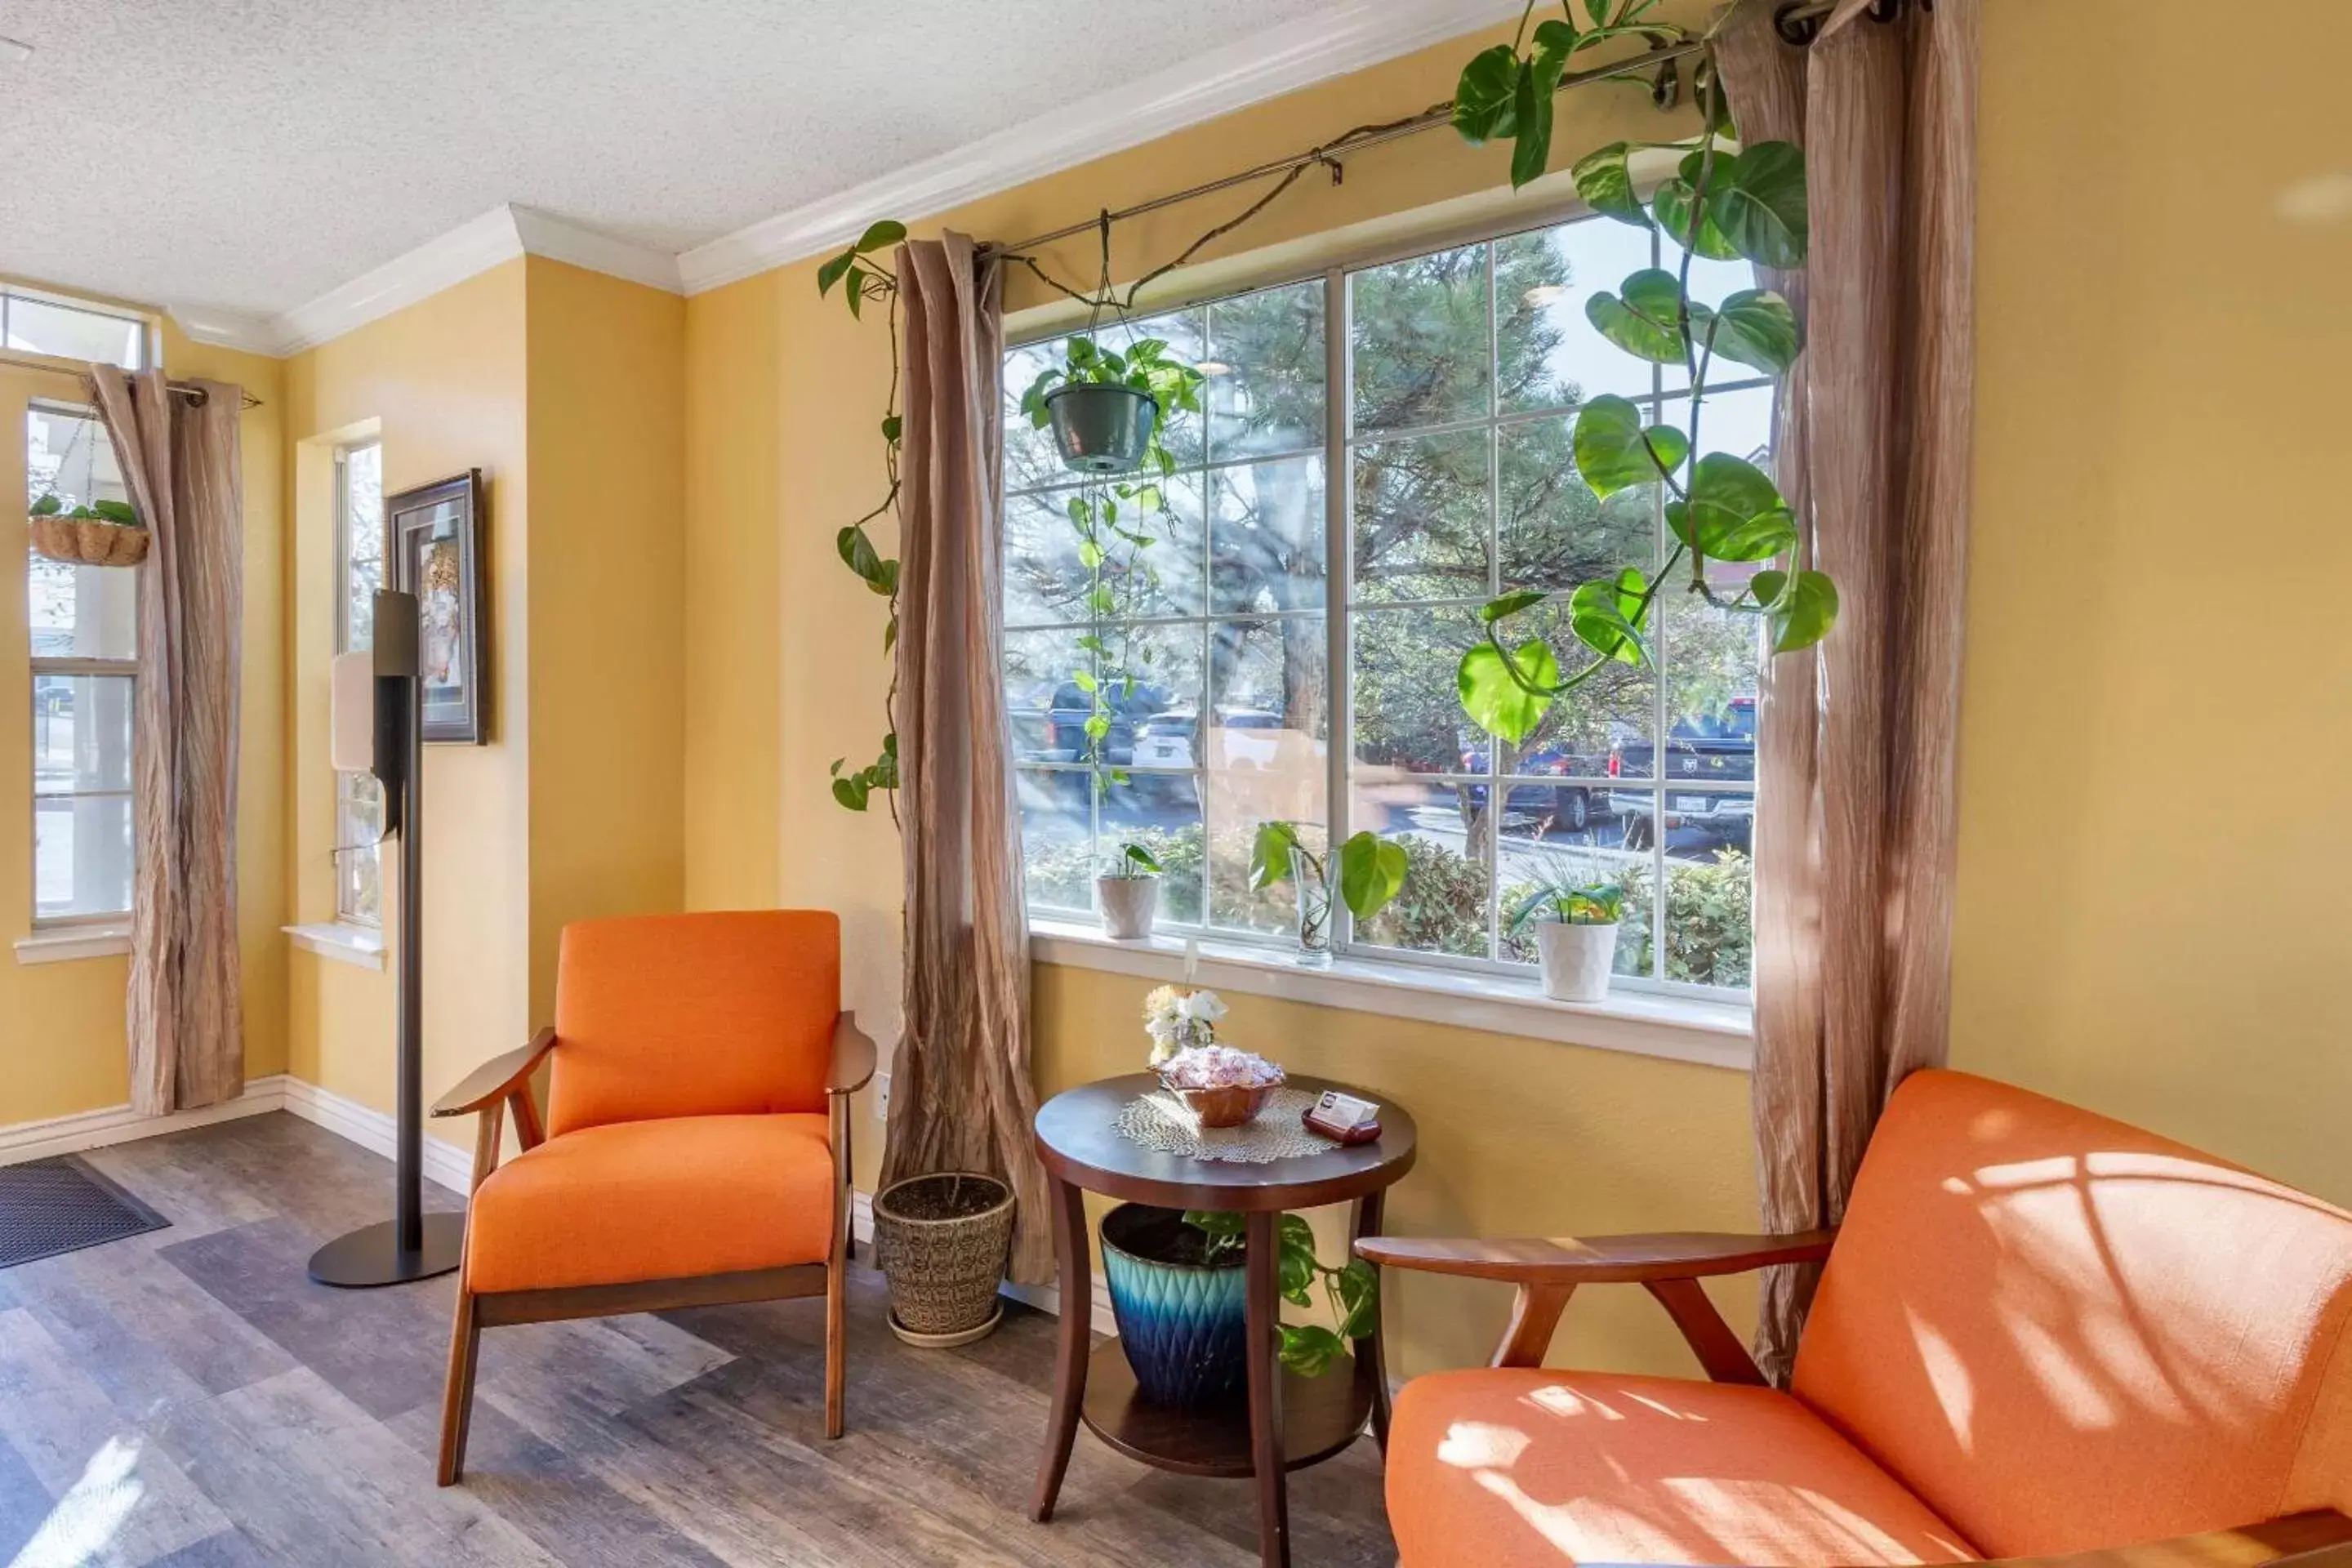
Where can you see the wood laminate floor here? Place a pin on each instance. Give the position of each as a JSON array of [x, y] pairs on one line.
[[189, 1398]]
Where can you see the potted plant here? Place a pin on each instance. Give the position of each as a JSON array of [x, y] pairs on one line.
[[1576, 937], [1126, 894], [101, 533], [1370, 872], [940, 1241], [1103, 404], [1177, 1291]]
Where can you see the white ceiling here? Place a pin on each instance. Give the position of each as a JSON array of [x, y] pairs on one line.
[[251, 156]]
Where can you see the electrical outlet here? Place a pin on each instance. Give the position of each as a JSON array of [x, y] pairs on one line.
[[881, 1096]]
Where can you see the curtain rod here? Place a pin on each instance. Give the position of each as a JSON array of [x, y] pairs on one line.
[[1791, 19], [186, 389]]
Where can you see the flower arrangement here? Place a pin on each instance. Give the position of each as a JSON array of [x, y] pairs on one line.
[[1218, 1067], [1179, 1020]]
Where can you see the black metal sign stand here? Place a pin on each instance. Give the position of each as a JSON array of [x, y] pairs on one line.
[[412, 1244]]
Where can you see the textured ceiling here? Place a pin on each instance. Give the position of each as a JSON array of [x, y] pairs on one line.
[[249, 156]]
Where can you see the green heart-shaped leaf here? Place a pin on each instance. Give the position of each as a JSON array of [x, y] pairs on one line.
[[1613, 452], [1483, 99], [1755, 327], [888, 232], [1532, 106], [1602, 614], [1644, 319], [1270, 854], [1804, 613], [1672, 204], [1759, 204], [1499, 704], [1372, 872], [1605, 184], [1734, 513]]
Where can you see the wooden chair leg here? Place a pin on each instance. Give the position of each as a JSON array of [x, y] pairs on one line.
[[837, 1273], [458, 1397]]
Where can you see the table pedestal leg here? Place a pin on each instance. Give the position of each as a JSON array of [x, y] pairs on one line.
[[1371, 1357], [1078, 1287], [1263, 1301]]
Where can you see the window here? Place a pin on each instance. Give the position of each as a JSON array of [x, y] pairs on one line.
[[85, 667], [41, 324], [359, 573], [1385, 448]]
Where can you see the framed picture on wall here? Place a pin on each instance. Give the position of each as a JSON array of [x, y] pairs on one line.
[[433, 537]]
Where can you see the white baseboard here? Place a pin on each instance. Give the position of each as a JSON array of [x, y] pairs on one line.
[[370, 1129], [1046, 1299], [22, 1140]]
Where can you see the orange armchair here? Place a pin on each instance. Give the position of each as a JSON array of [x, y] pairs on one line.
[[2038, 1333], [695, 1149]]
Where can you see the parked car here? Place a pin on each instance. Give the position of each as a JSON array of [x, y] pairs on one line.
[[1173, 740], [1051, 726], [1717, 749], [1574, 807]]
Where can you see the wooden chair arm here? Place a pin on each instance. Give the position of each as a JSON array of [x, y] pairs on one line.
[[2281, 1540], [853, 1057], [490, 1085], [1569, 1261]]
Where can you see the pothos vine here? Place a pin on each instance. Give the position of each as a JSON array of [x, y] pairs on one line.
[[1723, 202]]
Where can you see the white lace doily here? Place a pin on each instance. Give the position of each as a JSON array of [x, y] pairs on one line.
[[1159, 1122]]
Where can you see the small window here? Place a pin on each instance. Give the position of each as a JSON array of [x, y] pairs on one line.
[[85, 665], [32, 324], [359, 573]]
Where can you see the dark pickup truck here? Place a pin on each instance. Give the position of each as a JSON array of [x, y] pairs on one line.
[[1716, 750]]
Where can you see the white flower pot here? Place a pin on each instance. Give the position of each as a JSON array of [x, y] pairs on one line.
[[1126, 905], [1577, 960]]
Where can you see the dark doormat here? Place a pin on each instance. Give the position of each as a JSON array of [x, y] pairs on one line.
[[48, 1207]]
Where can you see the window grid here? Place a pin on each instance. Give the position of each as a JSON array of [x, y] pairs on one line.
[[95, 671], [358, 570], [1343, 442]]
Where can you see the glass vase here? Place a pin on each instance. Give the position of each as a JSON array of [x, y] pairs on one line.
[[1314, 910]]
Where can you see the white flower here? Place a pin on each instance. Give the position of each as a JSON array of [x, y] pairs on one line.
[[1201, 1006]]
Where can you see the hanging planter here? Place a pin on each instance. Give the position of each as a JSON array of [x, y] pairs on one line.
[[105, 533], [1101, 427]]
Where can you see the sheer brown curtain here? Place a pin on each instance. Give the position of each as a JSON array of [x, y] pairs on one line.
[[961, 1098], [1859, 735], [180, 460]]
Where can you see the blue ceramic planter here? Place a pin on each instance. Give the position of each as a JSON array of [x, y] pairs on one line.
[[1182, 1324]]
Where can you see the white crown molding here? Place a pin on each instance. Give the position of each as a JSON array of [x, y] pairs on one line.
[[1346, 37], [472, 247], [557, 240]]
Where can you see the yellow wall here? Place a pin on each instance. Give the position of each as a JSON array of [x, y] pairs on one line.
[[607, 603], [61, 1035], [565, 388], [442, 384], [2155, 849]]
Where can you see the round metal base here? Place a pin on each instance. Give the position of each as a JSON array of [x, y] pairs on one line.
[[373, 1256]]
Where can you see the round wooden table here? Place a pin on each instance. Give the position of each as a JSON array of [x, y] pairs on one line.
[[1290, 1420]]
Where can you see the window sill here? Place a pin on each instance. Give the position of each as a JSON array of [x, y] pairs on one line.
[[1678, 1028], [60, 944], [343, 943]]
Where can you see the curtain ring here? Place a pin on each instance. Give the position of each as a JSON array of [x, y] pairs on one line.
[[1795, 31]]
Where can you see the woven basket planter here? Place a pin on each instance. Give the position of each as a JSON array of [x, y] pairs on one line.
[[85, 542], [941, 1241]]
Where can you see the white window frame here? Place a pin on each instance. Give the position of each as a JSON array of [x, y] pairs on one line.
[[346, 913], [148, 355], [1338, 450], [40, 665]]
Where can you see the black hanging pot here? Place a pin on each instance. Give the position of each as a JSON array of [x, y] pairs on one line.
[[1101, 427]]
